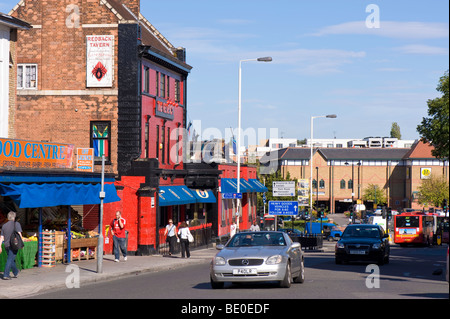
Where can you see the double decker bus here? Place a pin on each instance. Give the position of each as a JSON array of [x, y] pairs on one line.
[[414, 228]]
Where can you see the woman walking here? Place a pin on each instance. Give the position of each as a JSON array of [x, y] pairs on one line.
[[183, 233]]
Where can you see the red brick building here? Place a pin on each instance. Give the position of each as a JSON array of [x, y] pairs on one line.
[[97, 74]]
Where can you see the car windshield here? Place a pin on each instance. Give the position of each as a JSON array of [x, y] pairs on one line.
[[257, 239], [366, 232]]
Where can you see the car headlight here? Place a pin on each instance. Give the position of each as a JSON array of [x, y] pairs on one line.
[[376, 246], [340, 245], [273, 260], [219, 261]]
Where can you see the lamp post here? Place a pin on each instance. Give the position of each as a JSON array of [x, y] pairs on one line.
[[263, 59], [330, 116]]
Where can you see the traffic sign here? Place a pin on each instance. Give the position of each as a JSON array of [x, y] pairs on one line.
[[282, 188], [283, 208], [232, 195]]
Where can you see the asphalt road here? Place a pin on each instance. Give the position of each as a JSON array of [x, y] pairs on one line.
[[413, 272]]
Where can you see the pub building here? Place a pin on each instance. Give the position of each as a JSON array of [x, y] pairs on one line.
[[121, 90]]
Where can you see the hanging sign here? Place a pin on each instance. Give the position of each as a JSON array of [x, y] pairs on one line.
[[85, 159]]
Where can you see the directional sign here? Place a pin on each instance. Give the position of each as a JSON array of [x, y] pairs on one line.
[[281, 188], [232, 195], [283, 208]]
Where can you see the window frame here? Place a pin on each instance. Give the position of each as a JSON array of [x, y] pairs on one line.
[[97, 160], [24, 66]]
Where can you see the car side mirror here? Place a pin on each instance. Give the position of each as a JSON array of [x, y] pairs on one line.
[[296, 245], [220, 247]]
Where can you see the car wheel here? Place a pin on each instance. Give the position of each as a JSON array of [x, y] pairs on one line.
[[301, 275], [338, 260], [286, 282], [215, 284]]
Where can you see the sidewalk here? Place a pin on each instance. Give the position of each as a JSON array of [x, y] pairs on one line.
[[36, 280]]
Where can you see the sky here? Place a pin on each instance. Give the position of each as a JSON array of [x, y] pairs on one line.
[[371, 63]]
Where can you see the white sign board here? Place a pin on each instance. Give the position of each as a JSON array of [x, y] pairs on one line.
[[99, 60], [283, 188]]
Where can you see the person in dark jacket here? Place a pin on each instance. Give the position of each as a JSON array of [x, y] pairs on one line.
[[5, 237]]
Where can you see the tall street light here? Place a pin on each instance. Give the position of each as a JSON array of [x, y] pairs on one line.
[[330, 116], [264, 59]]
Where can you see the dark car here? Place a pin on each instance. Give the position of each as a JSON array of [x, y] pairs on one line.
[[363, 242]]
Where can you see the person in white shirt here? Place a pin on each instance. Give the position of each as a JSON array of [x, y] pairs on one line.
[[254, 227], [184, 241]]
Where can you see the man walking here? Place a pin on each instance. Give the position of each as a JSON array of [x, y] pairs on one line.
[[5, 237], [119, 236]]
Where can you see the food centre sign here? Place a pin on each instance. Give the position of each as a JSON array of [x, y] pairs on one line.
[[34, 155]]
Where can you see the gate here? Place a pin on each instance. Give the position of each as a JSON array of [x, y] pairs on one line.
[[202, 238]]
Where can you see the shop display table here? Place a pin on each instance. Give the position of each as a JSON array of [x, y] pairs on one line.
[[26, 257], [80, 245]]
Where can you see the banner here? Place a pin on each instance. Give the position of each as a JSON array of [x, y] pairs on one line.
[[99, 60]]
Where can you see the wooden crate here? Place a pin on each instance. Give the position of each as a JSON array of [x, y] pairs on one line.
[[80, 244], [48, 256], [59, 245]]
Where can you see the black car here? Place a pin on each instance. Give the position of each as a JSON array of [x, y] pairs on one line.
[[363, 242]]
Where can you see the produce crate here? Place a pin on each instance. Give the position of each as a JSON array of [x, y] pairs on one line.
[[59, 245], [80, 245], [48, 255]]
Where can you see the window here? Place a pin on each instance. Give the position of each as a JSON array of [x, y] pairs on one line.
[[177, 91], [168, 145], [314, 183], [342, 184], [350, 184], [157, 82], [322, 184], [157, 141], [146, 79], [163, 142], [101, 140], [162, 85], [27, 76]]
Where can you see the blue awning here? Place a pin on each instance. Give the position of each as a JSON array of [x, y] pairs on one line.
[[175, 195], [203, 196], [229, 185], [50, 195], [258, 186]]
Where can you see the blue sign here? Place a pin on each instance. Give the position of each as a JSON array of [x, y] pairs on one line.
[[283, 208], [232, 195]]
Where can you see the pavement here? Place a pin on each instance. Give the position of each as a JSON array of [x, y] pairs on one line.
[[38, 280]]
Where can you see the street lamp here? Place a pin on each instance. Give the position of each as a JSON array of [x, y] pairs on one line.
[[330, 116], [263, 59]]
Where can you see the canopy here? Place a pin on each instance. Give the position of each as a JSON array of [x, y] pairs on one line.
[[203, 196], [50, 195], [258, 186], [175, 195]]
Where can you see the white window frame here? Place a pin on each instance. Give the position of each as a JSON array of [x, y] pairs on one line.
[[22, 86]]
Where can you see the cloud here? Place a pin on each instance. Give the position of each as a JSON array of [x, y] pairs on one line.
[[389, 29], [422, 49]]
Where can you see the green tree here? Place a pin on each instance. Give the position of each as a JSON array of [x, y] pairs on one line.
[[374, 193], [435, 128], [395, 131], [433, 191]]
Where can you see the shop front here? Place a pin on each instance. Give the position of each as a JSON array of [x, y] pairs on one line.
[[52, 201]]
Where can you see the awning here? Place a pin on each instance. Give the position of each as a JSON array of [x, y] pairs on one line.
[[258, 186], [175, 195], [229, 185], [50, 195], [203, 196]]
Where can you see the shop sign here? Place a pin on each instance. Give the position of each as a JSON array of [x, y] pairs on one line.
[[165, 108], [99, 60], [425, 173], [85, 159], [34, 155]]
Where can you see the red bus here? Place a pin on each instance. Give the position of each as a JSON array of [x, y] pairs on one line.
[[414, 228]]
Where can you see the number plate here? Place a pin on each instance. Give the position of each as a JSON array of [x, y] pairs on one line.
[[357, 252], [244, 271]]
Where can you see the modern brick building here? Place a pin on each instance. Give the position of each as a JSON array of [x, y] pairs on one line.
[[340, 176]]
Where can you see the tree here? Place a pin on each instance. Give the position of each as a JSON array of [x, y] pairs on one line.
[[435, 128], [433, 191], [395, 131], [374, 193]]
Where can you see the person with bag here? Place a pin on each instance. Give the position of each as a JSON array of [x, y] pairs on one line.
[[11, 237], [171, 236], [185, 238]]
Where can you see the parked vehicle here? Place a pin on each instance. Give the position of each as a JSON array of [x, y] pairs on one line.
[[363, 242], [330, 231], [258, 256]]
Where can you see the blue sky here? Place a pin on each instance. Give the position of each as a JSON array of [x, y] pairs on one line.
[[325, 61]]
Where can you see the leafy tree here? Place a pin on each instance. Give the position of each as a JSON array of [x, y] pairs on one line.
[[374, 193], [435, 128], [433, 191], [395, 131]]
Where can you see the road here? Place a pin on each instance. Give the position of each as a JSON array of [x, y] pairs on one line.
[[409, 275]]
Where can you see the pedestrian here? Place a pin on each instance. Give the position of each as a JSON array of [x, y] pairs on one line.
[[254, 227], [5, 237], [233, 229], [171, 236], [119, 236], [183, 232]]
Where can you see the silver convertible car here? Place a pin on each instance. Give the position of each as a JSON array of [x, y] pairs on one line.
[[258, 256]]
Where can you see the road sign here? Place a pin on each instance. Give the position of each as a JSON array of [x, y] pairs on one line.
[[283, 188], [232, 195], [283, 208]]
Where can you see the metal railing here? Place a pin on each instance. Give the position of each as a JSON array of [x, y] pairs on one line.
[[202, 238]]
